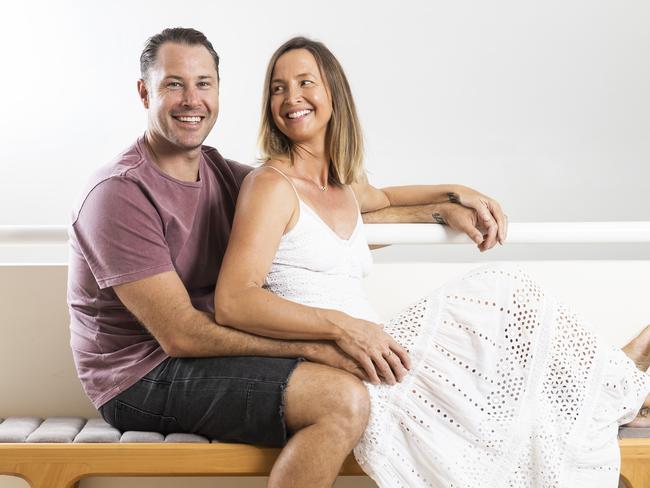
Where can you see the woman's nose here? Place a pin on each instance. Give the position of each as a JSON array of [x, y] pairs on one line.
[[294, 94]]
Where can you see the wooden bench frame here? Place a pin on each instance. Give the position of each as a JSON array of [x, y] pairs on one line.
[[63, 465]]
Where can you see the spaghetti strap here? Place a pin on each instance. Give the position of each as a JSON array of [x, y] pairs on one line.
[[286, 178]]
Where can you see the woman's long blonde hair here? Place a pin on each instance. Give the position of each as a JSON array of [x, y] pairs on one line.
[[344, 140]]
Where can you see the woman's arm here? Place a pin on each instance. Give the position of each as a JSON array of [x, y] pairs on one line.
[[403, 199], [266, 209], [456, 216]]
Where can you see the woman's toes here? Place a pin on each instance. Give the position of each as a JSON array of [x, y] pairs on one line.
[[641, 420]]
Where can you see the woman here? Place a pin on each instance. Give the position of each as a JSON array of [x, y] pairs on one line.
[[505, 387]]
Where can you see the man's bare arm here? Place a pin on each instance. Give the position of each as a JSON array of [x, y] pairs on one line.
[[456, 216], [161, 303], [426, 214], [488, 211]]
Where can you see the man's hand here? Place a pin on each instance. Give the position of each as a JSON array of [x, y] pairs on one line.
[[489, 213], [330, 354], [491, 220], [464, 219]]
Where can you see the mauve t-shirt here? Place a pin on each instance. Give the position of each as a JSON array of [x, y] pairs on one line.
[[135, 221]]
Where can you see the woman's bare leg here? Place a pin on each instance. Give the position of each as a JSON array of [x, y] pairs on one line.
[[638, 350]]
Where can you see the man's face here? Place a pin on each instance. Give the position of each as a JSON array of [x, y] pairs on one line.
[[181, 95]]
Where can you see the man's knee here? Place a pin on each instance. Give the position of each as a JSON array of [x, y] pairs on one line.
[[318, 393], [354, 401]]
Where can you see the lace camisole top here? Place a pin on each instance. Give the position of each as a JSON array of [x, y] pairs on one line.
[[314, 266]]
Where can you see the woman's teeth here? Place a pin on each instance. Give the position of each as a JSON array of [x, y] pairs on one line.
[[301, 113]]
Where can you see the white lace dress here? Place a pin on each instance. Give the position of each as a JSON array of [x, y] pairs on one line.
[[507, 387]]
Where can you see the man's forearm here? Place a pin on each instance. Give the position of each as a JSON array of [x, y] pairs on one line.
[[406, 214], [205, 338]]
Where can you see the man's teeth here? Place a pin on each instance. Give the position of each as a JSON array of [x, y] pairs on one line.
[[295, 115], [189, 119]]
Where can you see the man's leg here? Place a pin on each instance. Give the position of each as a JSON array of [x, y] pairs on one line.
[[326, 410]]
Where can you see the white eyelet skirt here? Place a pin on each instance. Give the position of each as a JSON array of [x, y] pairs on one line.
[[508, 388]]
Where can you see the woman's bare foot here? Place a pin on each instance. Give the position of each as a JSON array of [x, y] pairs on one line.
[[641, 420], [638, 349]]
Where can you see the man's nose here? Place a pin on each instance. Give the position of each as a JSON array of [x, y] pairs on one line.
[[191, 96]]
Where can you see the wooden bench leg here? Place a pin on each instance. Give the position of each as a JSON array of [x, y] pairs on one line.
[[636, 474], [51, 475]]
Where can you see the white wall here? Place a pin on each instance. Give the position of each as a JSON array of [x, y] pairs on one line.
[[545, 105]]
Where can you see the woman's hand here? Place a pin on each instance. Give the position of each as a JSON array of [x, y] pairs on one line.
[[490, 215], [376, 351]]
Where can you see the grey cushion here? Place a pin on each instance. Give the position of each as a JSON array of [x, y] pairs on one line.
[[57, 429], [97, 430], [141, 436], [186, 438], [75, 429], [17, 429], [625, 432]]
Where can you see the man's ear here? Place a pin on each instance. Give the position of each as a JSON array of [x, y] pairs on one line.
[[143, 91]]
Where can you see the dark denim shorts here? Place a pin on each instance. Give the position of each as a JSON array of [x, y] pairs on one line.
[[231, 399]]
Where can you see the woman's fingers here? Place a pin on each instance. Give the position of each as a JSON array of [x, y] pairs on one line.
[[503, 229], [396, 365], [501, 219], [401, 353], [384, 369]]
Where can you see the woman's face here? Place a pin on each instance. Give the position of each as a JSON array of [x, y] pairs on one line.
[[301, 105]]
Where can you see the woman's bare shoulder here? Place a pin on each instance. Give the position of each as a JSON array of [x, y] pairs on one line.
[[268, 185]]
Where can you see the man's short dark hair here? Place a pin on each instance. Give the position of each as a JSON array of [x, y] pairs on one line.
[[179, 35]]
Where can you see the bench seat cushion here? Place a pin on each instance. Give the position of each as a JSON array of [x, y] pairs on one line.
[[80, 430]]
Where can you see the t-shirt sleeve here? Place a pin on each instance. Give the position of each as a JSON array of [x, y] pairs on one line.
[[120, 234], [239, 170]]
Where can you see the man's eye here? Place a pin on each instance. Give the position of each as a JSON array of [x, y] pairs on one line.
[[174, 84], [204, 84]]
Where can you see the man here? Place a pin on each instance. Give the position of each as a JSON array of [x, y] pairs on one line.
[[147, 240]]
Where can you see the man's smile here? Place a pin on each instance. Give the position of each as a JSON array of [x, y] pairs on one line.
[[189, 119]]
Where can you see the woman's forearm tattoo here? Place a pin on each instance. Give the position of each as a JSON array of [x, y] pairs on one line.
[[453, 197], [438, 218]]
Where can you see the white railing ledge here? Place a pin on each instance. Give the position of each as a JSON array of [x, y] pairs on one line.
[[518, 233], [33, 234]]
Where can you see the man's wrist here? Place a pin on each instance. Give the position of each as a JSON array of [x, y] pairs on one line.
[[437, 213]]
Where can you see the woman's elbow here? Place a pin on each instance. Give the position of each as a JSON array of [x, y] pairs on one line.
[[225, 308]]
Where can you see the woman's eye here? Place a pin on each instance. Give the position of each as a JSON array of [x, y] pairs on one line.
[[307, 82], [276, 89]]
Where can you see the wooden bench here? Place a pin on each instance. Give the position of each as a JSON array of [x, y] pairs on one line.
[[62, 465]]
